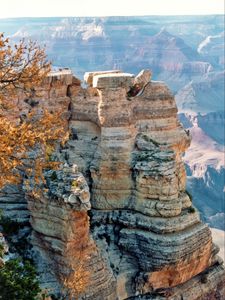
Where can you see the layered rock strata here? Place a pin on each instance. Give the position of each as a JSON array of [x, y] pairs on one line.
[[66, 255], [53, 96], [62, 247], [144, 239], [130, 150]]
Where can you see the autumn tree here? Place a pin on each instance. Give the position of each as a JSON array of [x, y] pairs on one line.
[[23, 67], [26, 146]]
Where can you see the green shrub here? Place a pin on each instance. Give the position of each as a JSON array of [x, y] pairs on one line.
[[18, 281]]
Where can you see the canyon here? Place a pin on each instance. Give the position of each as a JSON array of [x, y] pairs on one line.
[[189, 61], [117, 216]]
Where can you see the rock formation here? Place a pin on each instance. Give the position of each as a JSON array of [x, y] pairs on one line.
[[143, 238]]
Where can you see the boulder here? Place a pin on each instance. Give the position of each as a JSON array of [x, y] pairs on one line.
[[143, 78]]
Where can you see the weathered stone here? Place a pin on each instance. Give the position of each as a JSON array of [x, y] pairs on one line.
[[61, 237], [13, 204], [143, 78], [112, 80], [62, 76], [140, 210], [88, 76], [144, 240]]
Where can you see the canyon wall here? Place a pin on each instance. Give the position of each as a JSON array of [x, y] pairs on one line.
[[118, 210], [190, 61]]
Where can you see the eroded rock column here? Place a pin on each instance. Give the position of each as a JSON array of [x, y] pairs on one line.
[[142, 218]]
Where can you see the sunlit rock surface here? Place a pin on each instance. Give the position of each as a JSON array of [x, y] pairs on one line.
[[120, 197], [141, 218]]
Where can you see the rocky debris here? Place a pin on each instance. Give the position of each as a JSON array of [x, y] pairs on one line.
[[70, 185]]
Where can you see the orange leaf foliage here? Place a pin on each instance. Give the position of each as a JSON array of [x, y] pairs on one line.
[[23, 67]]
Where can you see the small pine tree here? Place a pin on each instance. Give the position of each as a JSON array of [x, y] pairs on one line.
[[18, 281]]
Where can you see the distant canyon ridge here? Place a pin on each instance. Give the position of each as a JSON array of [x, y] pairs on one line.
[[186, 52]]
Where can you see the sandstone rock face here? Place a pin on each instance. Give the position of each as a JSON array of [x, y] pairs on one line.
[[119, 204], [130, 150], [13, 204], [51, 95], [61, 242]]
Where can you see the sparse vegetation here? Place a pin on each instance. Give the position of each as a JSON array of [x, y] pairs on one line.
[[74, 184], [77, 281], [23, 67], [18, 281]]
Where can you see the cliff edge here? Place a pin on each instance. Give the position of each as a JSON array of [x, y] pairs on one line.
[[121, 196]]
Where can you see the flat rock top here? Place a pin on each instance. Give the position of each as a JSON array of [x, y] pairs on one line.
[[113, 80], [88, 76], [60, 72], [64, 75], [112, 75]]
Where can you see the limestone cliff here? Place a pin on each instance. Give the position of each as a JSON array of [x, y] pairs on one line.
[[141, 217], [143, 238]]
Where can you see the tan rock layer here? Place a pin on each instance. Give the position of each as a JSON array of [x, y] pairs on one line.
[[138, 182], [145, 238], [61, 241]]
